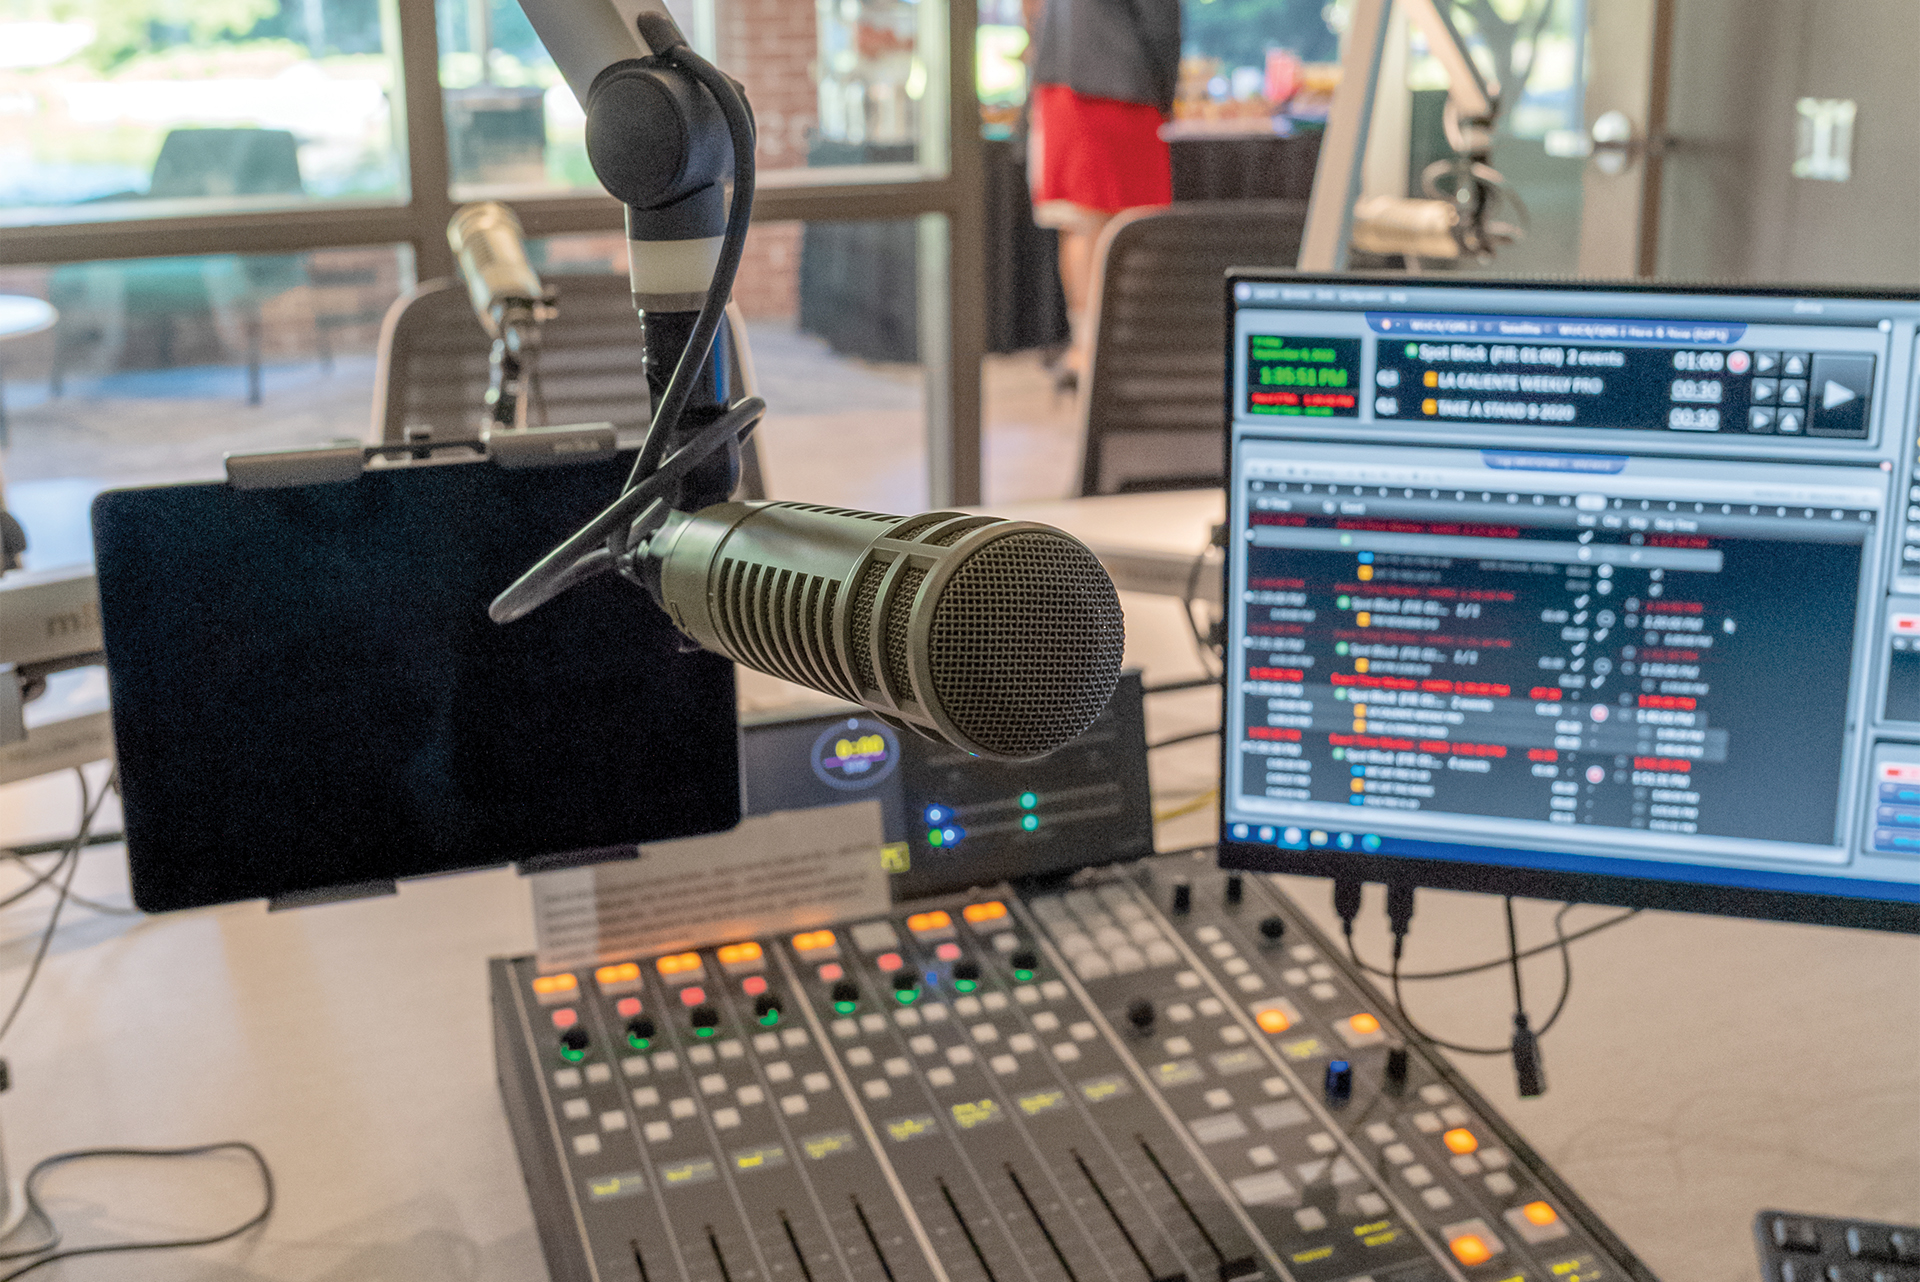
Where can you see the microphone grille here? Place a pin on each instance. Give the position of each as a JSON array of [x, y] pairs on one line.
[[1027, 640]]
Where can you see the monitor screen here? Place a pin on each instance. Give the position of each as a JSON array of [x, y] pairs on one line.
[[1601, 593]]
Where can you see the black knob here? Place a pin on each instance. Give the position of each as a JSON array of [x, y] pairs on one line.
[[1182, 897], [969, 970], [1140, 1014], [1236, 888], [766, 1004], [640, 1031], [576, 1038], [1272, 928], [704, 1016], [905, 980], [1396, 1069], [846, 991], [1025, 959], [1339, 1082]]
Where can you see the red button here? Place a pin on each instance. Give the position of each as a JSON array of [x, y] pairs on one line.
[[628, 1007], [888, 962], [754, 985], [566, 1017], [692, 995], [948, 951], [831, 972]]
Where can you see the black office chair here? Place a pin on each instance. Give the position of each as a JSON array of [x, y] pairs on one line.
[[1153, 410], [432, 371]]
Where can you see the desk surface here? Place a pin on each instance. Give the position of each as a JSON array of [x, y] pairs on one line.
[[1704, 1067]]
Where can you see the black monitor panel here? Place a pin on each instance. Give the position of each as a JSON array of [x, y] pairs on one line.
[[1598, 593]]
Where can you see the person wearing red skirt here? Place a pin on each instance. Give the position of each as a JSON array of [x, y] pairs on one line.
[[1104, 74]]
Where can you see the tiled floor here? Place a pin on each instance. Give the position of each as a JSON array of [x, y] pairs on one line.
[[839, 431]]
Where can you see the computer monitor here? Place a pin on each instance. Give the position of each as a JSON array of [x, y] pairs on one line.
[[1594, 592]]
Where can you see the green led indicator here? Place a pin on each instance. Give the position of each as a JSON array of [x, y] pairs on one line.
[[639, 1043], [769, 1019], [845, 1008], [1029, 822], [934, 838], [1342, 602], [905, 996], [1028, 800], [1340, 647], [966, 985], [571, 1055], [703, 1032], [1023, 975]]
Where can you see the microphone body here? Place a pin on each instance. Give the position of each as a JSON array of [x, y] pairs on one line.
[[1002, 637], [1391, 225], [507, 297]]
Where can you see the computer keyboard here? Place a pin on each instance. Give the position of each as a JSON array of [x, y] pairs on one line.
[[1819, 1248]]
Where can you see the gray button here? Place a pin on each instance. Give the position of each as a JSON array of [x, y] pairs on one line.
[[1766, 362], [1793, 393], [1790, 422], [1794, 364], [1765, 390]]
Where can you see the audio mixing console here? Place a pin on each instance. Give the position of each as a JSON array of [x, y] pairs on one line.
[[1155, 1072]]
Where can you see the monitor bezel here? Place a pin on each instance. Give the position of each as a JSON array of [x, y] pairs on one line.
[[1668, 894]]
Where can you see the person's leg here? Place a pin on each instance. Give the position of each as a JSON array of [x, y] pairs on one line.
[[1076, 281]]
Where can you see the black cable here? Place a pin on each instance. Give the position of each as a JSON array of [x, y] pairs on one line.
[[1566, 966], [1192, 683], [1513, 959], [48, 1252], [1200, 641], [90, 806], [1422, 1033], [1183, 738], [1457, 972]]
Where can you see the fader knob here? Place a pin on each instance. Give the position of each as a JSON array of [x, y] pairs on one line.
[[1396, 1070], [1026, 959], [1236, 888], [1339, 1082], [846, 993], [966, 972], [764, 1005], [574, 1042], [640, 1031], [1182, 897], [1272, 928], [704, 1016], [1141, 1014]]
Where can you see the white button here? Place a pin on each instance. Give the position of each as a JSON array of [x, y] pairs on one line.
[[1418, 1175], [1082, 1031], [1053, 990], [1296, 976], [1500, 1184], [726, 1118], [1207, 934], [1178, 1046], [876, 1089], [814, 1083], [1223, 949], [1398, 1154], [665, 1062], [1250, 983], [779, 1071], [1180, 1012], [767, 1043], [959, 1055], [1493, 1159], [1466, 1164], [897, 1067], [1187, 979], [791, 1037], [1021, 1043], [713, 1084], [1427, 1123], [1066, 1052], [860, 1056], [1310, 1218], [1027, 995], [1233, 1034], [1275, 1086], [1092, 966], [994, 1001], [845, 1028], [1454, 1115], [1380, 1133], [1161, 953], [613, 1121], [634, 1066], [793, 1105], [1303, 953], [985, 1033], [645, 1097], [575, 1109], [750, 1095], [658, 1132], [1211, 1008], [1262, 1156], [1219, 1099], [1006, 942], [1436, 1198], [598, 1073], [1235, 966], [967, 1007], [872, 1023], [567, 1079], [586, 1145], [682, 1107], [1321, 1142], [1324, 992], [1127, 960], [907, 1018], [1434, 1093], [1371, 1204], [934, 1014], [1046, 1021], [1320, 970], [1004, 1064], [701, 1055], [940, 1076], [921, 1044]]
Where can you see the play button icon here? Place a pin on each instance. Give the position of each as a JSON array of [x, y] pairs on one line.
[[1843, 393]]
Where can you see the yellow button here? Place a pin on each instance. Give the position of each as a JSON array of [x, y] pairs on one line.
[[1364, 1024], [1471, 1248], [734, 954], [1460, 1140], [1539, 1213], [678, 963], [920, 923], [624, 973], [812, 941], [992, 910], [1273, 1020], [548, 985]]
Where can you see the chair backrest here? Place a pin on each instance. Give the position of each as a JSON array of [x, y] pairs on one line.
[[1153, 411], [226, 162], [432, 366]]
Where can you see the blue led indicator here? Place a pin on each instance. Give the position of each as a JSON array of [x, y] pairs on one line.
[[1366, 558], [938, 814]]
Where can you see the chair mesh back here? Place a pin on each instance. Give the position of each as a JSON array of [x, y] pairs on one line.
[[1154, 407]]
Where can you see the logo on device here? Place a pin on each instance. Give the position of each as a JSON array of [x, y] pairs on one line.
[[855, 753]]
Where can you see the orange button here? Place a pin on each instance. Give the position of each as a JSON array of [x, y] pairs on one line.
[[1471, 1248], [754, 985], [735, 954], [692, 995], [992, 910], [888, 962], [628, 1007], [1273, 1020], [1539, 1213], [1364, 1023], [921, 923], [678, 963], [624, 973], [566, 1017], [812, 941], [553, 985], [1460, 1140]]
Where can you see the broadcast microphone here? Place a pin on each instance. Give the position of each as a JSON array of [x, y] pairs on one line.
[[1002, 637], [507, 297]]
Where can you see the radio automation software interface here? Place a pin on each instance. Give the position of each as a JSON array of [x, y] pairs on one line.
[[1595, 583]]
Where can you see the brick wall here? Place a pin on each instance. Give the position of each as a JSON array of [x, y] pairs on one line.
[[770, 46]]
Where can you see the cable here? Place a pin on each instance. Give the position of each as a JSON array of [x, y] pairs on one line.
[[1184, 738], [90, 806], [1458, 971], [1192, 683], [48, 1252], [1201, 644], [1200, 802]]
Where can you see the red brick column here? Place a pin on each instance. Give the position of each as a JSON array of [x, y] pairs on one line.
[[770, 46]]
